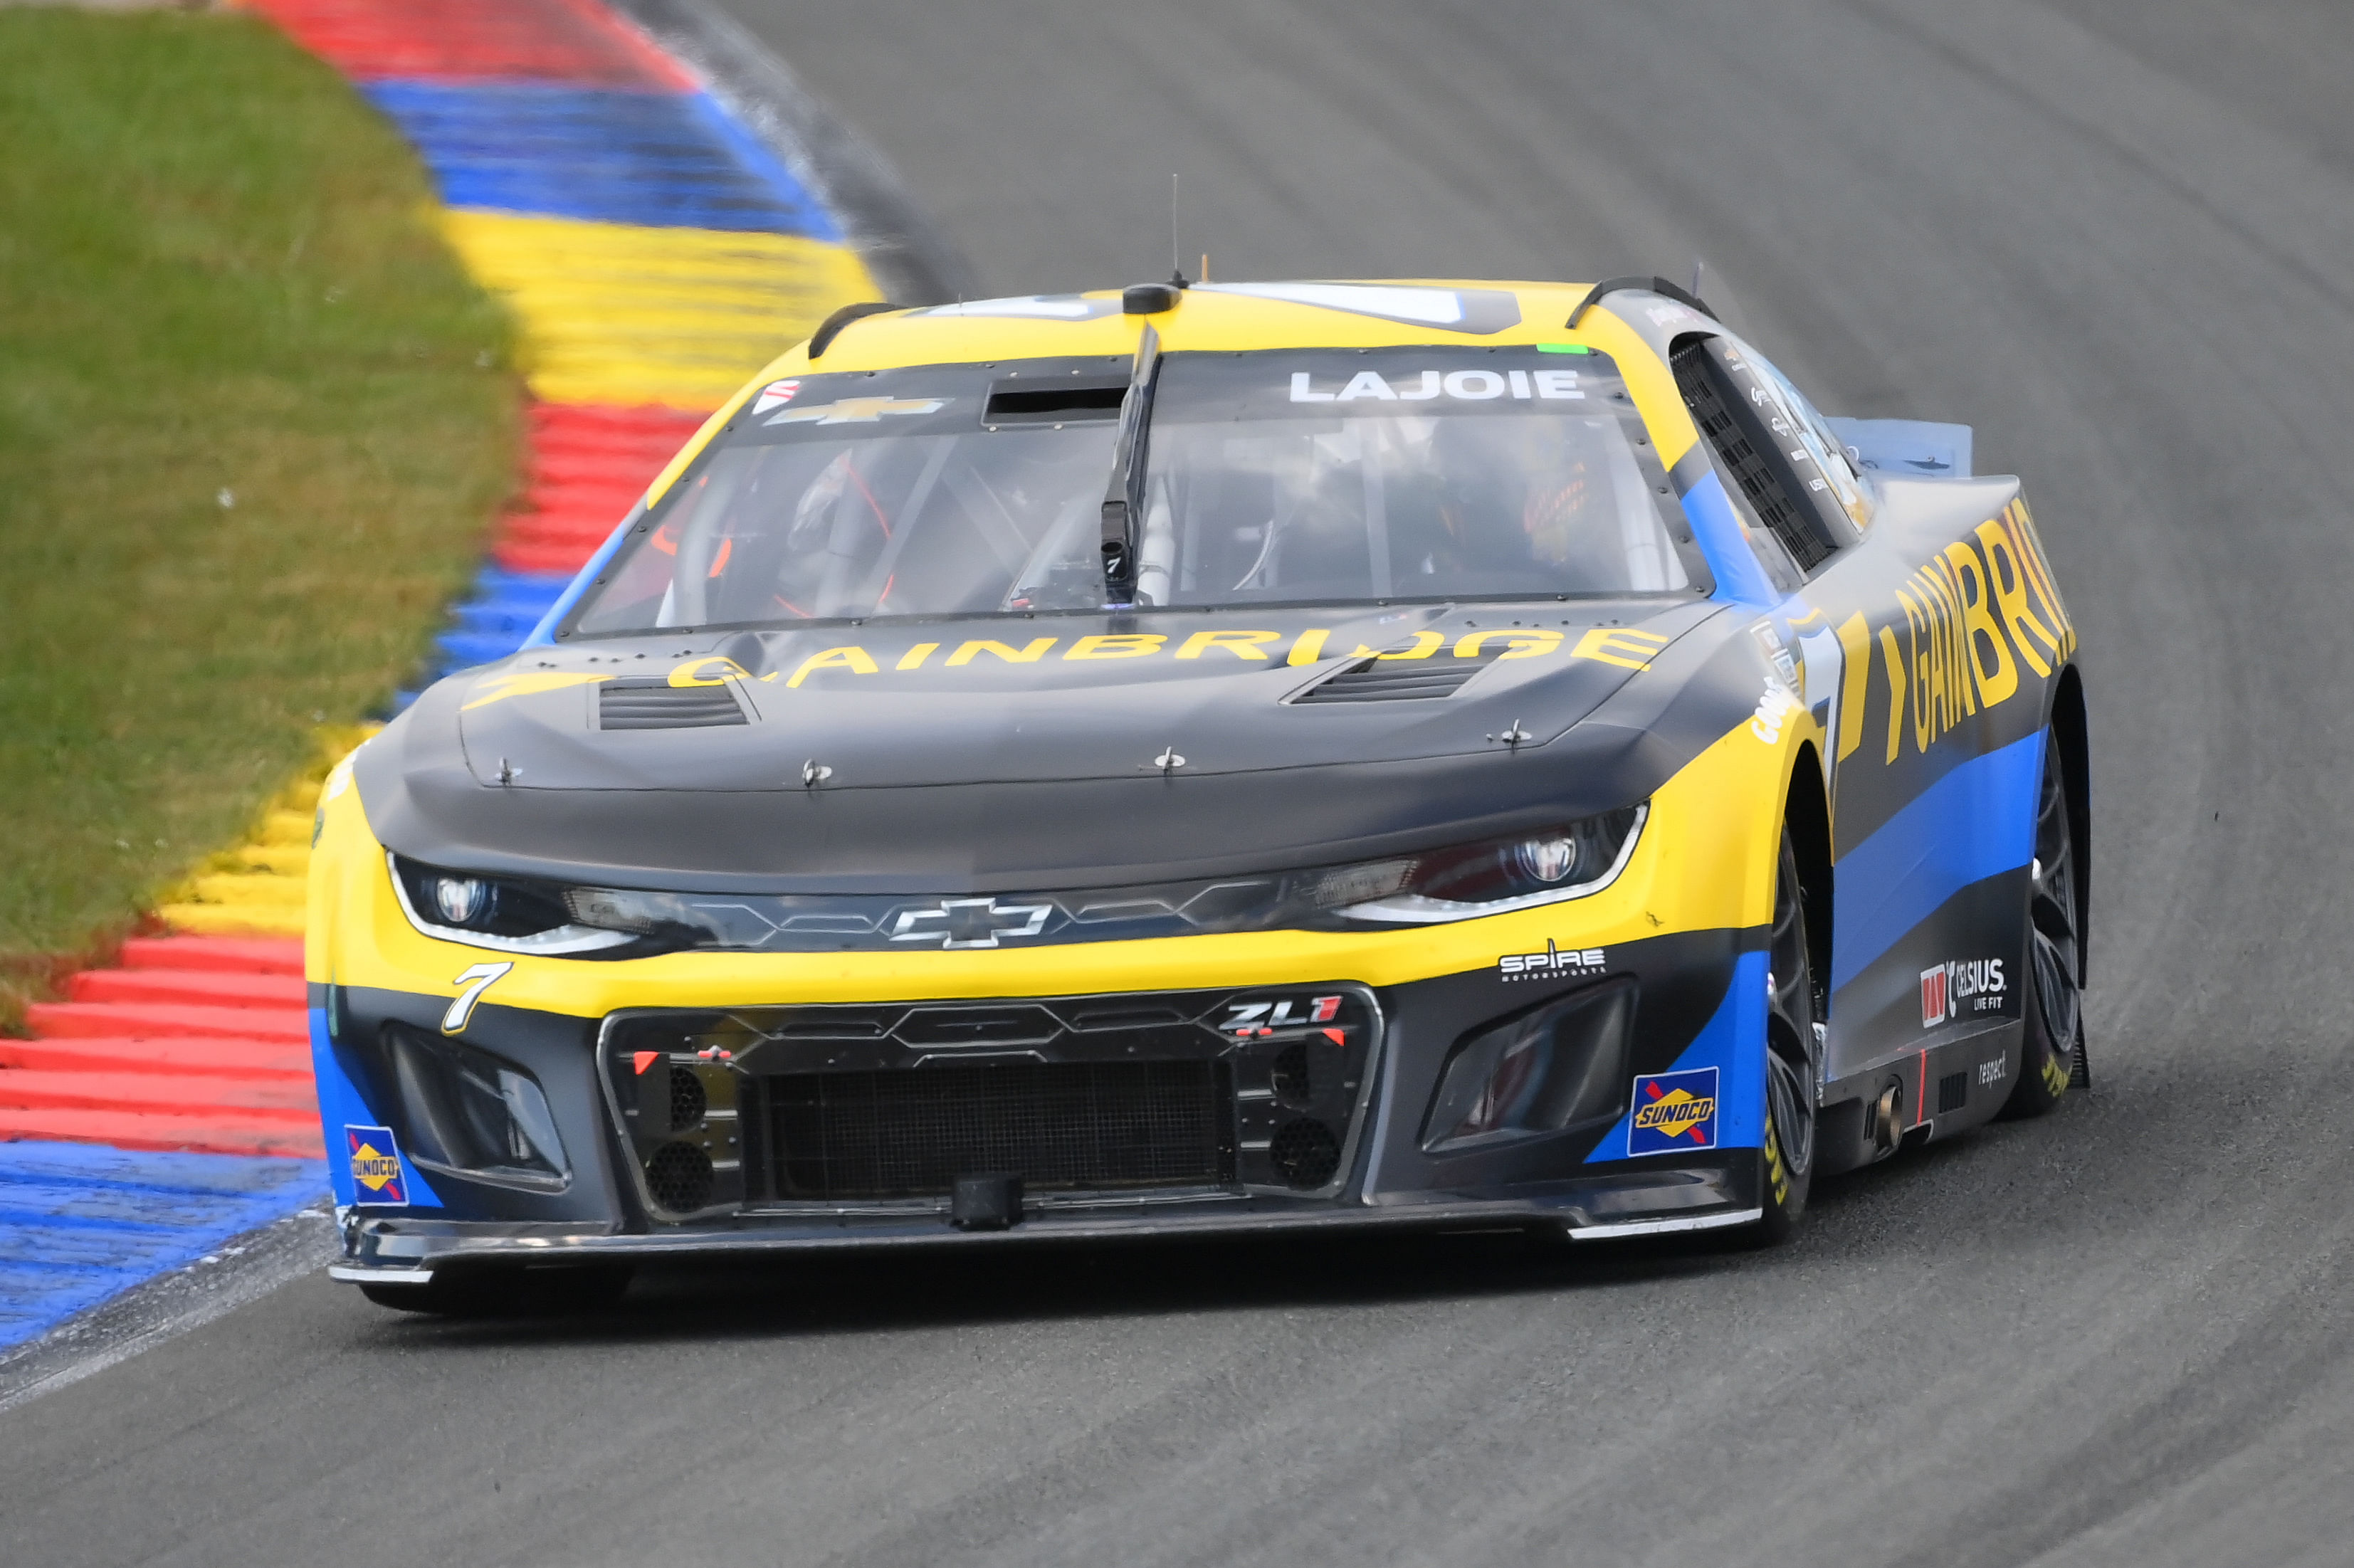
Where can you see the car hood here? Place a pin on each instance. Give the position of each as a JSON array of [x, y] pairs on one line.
[[993, 753]]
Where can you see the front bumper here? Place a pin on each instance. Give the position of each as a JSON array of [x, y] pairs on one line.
[[1384, 1054]]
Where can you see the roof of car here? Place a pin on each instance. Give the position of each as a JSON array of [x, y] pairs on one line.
[[1215, 317]]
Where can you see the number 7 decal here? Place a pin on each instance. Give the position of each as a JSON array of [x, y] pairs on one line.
[[462, 1008]]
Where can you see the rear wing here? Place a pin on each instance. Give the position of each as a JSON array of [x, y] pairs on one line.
[[1914, 448]]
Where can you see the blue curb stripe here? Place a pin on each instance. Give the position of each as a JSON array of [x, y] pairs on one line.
[[81, 1223], [653, 159]]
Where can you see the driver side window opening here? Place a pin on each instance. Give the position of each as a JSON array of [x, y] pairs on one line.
[[1789, 490]]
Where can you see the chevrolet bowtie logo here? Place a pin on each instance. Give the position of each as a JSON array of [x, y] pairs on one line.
[[969, 922], [859, 410]]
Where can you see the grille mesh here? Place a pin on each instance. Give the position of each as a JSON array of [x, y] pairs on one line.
[[679, 1177], [911, 1133], [687, 1101]]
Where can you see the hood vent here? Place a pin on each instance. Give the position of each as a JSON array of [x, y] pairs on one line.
[[1396, 680], [657, 704]]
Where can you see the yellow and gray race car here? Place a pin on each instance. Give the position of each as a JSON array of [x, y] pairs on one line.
[[1216, 759]]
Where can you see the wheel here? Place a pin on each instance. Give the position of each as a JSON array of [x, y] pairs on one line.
[[1794, 1054], [509, 1292], [2054, 1055]]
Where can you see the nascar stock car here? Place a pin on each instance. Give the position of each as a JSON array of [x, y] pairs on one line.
[[1216, 759]]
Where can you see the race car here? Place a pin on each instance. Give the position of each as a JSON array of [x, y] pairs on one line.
[[1216, 759]]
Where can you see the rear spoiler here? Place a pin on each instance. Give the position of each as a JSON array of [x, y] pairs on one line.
[[1915, 448]]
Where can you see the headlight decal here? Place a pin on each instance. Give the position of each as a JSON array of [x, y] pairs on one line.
[[1573, 861], [1497, 877], [488, 912]]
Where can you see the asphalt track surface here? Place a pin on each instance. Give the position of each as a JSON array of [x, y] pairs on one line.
[[2118, 237]]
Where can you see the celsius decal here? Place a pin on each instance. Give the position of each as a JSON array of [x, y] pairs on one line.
[[775, 394], [1960, 986], [969, 922], [1456, 386], [1554, 960], [375, 1164], [1250, 1018], [1675, 1113], [476, 981], [860, 410]]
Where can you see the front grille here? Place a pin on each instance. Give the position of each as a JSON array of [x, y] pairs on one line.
[[912, 1132], [782, 1106]]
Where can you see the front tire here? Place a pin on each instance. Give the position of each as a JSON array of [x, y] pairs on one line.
[[1794, 1044], [2053, 1055]]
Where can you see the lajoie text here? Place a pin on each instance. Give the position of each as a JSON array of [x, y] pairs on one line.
[[1460, 386], [1554, 960]]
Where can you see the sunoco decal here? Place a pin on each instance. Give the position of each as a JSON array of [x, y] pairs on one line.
[[1675, 1113], [375, 1164]]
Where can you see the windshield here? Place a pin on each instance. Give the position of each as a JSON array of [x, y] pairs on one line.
[[1281, 476]]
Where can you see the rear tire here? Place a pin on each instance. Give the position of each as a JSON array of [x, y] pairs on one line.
[[2053, 1055], [1794, 1010], [509, 1292]]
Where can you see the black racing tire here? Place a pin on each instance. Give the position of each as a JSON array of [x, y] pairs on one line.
[[2051, 1057], [509, 1292], [1795, 1005]]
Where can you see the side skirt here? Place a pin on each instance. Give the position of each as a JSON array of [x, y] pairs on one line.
[[1939, 1089]]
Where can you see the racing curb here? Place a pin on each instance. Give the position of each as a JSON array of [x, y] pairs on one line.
[[906, 257]]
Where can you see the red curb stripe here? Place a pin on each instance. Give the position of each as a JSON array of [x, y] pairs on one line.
[[577, 42], [194, 986], [153, 1021], [242, 954], [589, 464], [234, 1102], [126, 1129], [261, 1060]]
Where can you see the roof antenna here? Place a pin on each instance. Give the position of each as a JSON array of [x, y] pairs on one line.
[[1700, 268], [1176, 260]]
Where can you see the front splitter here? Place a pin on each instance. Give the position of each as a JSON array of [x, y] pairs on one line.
[[409, 1252]]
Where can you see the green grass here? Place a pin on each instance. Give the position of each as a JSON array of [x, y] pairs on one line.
[[254, 421]]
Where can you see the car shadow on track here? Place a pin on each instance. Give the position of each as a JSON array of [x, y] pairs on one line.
[[969, 1286], [1879, 1214]]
